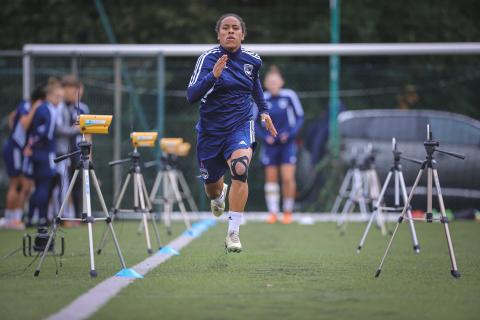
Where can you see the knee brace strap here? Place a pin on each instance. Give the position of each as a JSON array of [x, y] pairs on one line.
[[244, 161]]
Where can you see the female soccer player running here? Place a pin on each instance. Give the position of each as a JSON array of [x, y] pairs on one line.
[[225, 79]]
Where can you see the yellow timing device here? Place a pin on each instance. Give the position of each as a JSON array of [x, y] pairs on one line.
[[143, 139], [183, 149], [175, 146], [94, 123], [170, 145]]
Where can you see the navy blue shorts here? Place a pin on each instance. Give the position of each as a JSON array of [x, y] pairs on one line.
[[13, 158], [213, 151], [278, 154]]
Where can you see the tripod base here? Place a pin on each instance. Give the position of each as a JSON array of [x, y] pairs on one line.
[[129, 273], [455, 274], [416, 249]]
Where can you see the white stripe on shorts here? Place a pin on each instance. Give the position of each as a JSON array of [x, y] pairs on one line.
[[252, 132], [17, 158]]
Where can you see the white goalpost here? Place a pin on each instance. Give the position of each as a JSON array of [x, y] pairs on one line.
[[159, 52]]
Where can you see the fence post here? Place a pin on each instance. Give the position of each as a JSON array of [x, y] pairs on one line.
[[117, 120]]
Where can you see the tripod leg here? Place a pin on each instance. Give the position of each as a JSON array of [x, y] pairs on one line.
[[429, 213], [141, 226], [56, 221], [444, 220], [138, 186], [400, 219], [145, 193], [178, 198], [152, 215], [186, 191], [375, 211], [89, 219], [167, 203], [347, 209], [416, 246], [341, 193], [115, 210], [156, 186], [108, 220], [351, 195], [375, 194]]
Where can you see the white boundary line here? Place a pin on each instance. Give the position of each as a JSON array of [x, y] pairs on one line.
[[262, 216], [91, 301]]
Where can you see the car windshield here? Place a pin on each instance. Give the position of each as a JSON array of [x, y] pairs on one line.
[[451, 131]]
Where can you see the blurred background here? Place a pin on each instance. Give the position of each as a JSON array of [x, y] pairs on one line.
[[438, 82]]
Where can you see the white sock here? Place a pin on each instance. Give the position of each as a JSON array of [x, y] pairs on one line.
[[272, 197], [288, 204], [18, 214], [9, 214], [234, 221], [220, 199]]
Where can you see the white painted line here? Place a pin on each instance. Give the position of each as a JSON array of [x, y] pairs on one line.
[[262, 216], [90, 302]]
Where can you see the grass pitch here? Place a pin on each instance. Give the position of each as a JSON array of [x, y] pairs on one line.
[[285, 272]]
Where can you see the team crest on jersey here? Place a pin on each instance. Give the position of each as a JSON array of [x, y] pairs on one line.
[[248, 68], [283, 103], [204, 173]]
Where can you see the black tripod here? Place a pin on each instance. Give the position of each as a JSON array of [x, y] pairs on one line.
[[86, 167], [141, 201], [430, 164]]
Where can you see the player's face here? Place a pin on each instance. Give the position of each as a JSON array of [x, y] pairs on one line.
[[273, 83], [56, 96], [71, 93], [230, 34]]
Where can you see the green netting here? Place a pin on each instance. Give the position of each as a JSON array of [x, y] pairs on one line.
[[441, 82]]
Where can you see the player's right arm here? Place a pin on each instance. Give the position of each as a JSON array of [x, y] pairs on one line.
[[206, 73], [26, 119], [11, 117]]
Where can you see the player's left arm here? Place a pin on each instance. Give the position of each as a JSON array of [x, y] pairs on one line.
[[259, 99], [299, 114]]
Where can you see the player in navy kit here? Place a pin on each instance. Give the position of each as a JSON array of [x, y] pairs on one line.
[[226, 82], [279, 153], [19, 185], [41, 148]]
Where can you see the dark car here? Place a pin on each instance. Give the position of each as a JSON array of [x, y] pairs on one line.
[[459, 179]]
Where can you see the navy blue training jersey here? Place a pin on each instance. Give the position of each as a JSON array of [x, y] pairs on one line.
[[18, 133], [227, 102], [42, 129], [286, 112]]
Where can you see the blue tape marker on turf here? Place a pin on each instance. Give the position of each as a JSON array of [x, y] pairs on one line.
[[169, 250], [191, 233], [129, 273]]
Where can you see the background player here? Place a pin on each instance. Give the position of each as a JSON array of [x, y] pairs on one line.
[[279, 153], [41, 147], [19, 185]]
